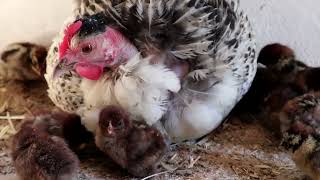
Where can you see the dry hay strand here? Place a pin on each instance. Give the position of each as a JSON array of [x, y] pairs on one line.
[[8, 130]]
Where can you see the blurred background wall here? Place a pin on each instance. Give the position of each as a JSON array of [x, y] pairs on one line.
[[31, 20], [292, 22]]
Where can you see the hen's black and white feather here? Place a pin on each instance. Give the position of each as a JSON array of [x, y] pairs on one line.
[[213, 36]]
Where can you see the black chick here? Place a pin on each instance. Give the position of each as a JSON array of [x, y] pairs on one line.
[[300, 125], [132, 145], [38, 155], [23, 61]]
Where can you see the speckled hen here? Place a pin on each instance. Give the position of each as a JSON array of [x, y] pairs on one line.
[[190, 62]]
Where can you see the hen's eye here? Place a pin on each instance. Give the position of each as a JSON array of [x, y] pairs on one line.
[[87, 49]]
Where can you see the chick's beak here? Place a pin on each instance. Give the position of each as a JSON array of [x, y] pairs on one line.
[[110, 129]]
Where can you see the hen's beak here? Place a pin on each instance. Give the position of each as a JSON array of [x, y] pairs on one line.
[[58, 71], [61, 69]]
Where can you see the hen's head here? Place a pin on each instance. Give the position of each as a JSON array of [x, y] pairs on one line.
[[90, 46]]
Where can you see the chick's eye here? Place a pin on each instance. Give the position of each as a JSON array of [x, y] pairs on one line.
[[118, 123], [87, 49]]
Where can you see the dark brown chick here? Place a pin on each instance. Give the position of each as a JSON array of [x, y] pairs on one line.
[[38, 155], [282, 61], [23, 61], [281, 97], [263, 84], [308, 79], [65, 125], [282, 72], [271, 54], [273, 104], [267, 78], [132, 145], [300, 125]]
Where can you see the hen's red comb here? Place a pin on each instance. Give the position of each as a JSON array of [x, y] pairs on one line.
[[69, 32]]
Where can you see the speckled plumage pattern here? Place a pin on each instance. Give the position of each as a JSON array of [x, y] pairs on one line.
[[213, 36], [65, 91], [300, 126]]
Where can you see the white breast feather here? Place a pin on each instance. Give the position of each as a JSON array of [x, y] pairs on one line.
[[143, 89]]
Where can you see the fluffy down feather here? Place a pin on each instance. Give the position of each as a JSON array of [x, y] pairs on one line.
[[144, 96], [149, 95]]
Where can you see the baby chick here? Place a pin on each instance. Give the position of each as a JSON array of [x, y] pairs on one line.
[[282, 78], [23, 61], [282, 62], [132, 145], [300, 125], [308, 79], [37, 155], [282, 97], [65, 125], [263, 84], [279, 64], [280, 59]]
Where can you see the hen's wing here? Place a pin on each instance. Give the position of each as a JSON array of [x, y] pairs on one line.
[[213, 35]]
